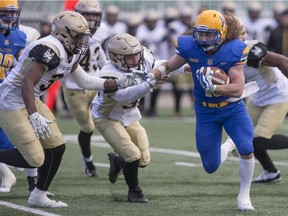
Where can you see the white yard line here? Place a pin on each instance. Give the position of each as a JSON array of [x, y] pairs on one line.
[[98, 141], [26, 209]]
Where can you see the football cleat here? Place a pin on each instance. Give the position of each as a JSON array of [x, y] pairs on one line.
[[8, 179], [136, 196], [244, 203], [113, 171], [42, 201], [268, 177], [90, 168]]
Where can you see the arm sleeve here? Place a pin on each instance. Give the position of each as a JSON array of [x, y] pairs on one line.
[[132, 93], [85, 81]]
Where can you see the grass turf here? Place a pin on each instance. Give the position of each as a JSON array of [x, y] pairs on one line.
[[171, 190]]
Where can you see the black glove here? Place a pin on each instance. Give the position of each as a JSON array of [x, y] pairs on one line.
[[257, 52]]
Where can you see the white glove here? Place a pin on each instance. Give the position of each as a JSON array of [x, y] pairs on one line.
[[125, 81], [40, 125], [205, 80], [149, 78]]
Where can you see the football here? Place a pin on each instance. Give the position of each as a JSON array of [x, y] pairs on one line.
[[219, 76]]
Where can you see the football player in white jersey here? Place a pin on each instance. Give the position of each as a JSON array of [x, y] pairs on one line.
[[116, 115], [268, 107], [78, 99], [28, 123]]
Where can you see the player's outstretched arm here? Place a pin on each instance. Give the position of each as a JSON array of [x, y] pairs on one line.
[[165, 68], [273, 59], [95, 83]]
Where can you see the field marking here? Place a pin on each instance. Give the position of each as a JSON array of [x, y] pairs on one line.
[[187, 164], [26, 209], [99, 141]]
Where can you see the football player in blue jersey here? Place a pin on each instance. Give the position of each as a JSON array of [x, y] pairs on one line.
[[12, 42], [214, 41]]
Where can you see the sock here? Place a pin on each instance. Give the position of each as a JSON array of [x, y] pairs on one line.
[[88, 159], [130, 171], [246, 171], [84, 140], [48, 170], [226, 147], [31, 172], [260, 151]]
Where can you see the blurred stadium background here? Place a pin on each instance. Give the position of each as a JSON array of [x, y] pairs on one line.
[[35, 11]]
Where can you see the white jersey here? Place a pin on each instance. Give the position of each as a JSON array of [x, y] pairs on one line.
[[51, 54], [32, 34], [272, 83], [106, 106], [91, 62]]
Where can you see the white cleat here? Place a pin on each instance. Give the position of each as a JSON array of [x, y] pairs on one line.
[[8, 180], [234, 150], [244, 204], [42, 201]]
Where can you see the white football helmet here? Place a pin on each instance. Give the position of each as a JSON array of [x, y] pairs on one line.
[[91, 10], [9, 14], [120, 47], [72, 30]]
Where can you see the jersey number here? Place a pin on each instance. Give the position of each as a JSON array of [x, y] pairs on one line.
[[133, 104], [54, 78], [85, 63], [6, 62]]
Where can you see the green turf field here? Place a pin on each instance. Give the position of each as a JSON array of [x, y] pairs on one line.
[[174, 182]]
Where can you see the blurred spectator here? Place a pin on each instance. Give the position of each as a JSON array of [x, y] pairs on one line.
[[202, 8], [111, 20], [278, 9], [257, 26], [133, 21], [45, 26], [228, 6], [182, 82], [278, 38], [151, 34]]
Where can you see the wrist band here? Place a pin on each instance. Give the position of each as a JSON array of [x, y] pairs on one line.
[[212, 88], [163, 70]]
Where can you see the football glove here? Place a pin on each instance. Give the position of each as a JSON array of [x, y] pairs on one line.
[[206, 80], [125, 81], [149, 78], [40, 125], [257, 52]]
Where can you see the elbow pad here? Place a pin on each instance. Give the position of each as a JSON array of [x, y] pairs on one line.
[[257, 52]]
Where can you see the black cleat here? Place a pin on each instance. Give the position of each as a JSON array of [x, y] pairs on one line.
[[136, 196], [113, 171], [90, 169]]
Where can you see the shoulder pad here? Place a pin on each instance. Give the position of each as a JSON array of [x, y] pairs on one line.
[[45, 55], [20, 39]]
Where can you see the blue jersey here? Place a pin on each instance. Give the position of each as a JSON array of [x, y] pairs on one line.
[[229, 54], [9, 46]]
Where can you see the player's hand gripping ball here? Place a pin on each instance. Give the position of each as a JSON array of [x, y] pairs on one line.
[[219, 77]]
